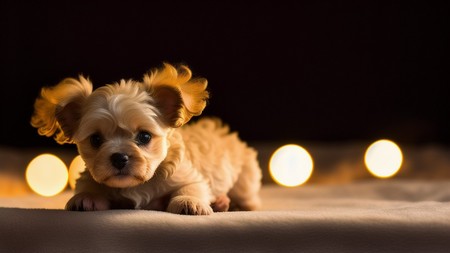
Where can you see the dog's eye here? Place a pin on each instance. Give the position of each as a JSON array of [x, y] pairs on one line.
[[143, 138], [96, 140]]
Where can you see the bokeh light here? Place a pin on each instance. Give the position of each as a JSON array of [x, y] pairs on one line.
[[76, 167], [47, 175], [383, 158], [291, 165]]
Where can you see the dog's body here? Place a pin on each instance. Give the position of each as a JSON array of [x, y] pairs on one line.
[[214, 164], [138, 151]]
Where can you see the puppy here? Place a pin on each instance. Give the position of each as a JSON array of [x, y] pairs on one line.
[[138, 151]]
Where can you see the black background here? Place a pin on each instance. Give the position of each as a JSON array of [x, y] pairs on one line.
[[314, 71]]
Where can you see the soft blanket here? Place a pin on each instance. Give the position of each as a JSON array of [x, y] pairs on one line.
[[365, 216]]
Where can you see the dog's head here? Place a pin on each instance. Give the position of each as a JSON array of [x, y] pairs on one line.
[[121, 129]]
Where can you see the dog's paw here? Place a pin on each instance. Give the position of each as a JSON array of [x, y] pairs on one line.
[[88, 202], [222, 204], [188, 205]]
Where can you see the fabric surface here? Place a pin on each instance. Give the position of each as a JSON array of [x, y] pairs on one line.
[[366, 216]]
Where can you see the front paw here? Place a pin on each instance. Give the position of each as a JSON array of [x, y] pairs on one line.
[[189, 205], [88, 202]]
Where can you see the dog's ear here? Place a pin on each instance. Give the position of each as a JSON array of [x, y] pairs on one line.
[[175, 94], [57, 111]]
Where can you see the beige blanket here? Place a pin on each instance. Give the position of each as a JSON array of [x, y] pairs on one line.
[[369, 216]]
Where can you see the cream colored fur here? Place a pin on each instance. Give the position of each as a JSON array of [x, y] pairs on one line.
[[163, 164]]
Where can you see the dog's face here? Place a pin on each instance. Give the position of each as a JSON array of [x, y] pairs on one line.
[[120, 136], [121, 130]]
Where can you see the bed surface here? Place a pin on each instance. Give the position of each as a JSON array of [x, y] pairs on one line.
[[410, 213], [372, 216]]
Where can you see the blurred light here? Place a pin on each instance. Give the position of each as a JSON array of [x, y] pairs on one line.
[[383, 158], [47, 175], [291, 165], [76, 167]]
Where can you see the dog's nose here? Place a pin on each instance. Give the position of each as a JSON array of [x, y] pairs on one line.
[[119, 160]]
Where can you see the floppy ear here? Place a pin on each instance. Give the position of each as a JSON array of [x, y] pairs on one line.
[[175, 94], [57, 111]]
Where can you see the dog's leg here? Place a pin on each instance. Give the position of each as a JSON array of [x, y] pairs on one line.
[[245, 193], [192, 199]]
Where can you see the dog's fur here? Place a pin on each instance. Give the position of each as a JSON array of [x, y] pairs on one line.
[[136, 151]]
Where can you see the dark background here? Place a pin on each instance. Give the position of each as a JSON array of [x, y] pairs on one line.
[[326, 71]]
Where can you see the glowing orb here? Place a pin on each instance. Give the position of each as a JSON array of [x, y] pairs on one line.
[[76, 167], [383, 158], [291, 165], [47, 175]]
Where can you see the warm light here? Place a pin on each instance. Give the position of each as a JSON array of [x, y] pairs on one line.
[[291, 165], [47, 175], [76, 167], [383, 158]]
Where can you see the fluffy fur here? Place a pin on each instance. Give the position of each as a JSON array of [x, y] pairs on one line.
[[138, 151]]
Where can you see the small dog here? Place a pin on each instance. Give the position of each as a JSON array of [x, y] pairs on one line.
[[138, 151]]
